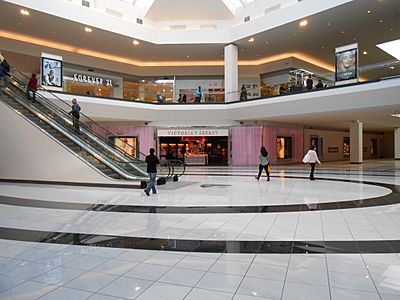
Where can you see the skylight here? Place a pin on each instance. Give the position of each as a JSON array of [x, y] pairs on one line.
[[235, 4], [143, 4]]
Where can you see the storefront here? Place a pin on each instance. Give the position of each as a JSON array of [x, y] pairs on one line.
[[81, 82], [206, 146]]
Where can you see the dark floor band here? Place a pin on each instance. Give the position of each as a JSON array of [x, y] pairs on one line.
[[282, 247], [392, 198]]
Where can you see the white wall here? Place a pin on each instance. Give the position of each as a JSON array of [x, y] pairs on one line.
[[29, 154]]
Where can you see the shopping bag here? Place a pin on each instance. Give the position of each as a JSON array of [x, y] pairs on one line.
[[269, 168], [306, 158]]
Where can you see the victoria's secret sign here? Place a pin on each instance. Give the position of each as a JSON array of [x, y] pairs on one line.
[[192, 132], [92, 80]]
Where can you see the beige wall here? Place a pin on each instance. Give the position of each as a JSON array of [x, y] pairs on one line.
[[334, 139]]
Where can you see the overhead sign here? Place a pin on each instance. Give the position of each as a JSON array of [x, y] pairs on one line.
[[193, 132], [91, 80]]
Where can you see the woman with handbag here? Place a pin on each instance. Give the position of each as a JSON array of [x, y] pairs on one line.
[[263, 163]]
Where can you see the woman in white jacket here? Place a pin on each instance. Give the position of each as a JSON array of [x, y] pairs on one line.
[[311, 157]]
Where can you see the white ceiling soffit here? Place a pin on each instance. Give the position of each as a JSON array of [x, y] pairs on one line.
[[143, 4], [393, 48], [167, 10]]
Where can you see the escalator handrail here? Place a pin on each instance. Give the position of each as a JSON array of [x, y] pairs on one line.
[[72, 137], [62, 114], [88, 118]]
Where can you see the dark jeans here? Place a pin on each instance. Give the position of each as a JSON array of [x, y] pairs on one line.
[[75, 121], [260, 168], [312, 171], [151, 185], [30, 94]]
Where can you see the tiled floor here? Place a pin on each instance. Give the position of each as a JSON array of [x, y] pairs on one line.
[[274, 270]]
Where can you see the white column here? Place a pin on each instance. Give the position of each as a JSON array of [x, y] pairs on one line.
[[397, 143], [231, 73], [356, 142]]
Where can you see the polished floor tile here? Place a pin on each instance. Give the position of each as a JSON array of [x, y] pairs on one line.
[[300, 240]]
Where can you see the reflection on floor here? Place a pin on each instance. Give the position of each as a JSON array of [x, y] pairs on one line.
[[216, 234]]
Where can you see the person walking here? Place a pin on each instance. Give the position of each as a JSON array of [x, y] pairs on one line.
[[152, 162], [312, 158], [263, 163], [32, 87], [75, 112], [198, 94], [309, 83], [243, 93]]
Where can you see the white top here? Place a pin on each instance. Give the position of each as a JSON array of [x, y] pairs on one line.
[[313, 157], [262, 160]]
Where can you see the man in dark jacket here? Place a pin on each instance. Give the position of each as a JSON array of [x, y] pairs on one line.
[[152, 162], [76, 113]]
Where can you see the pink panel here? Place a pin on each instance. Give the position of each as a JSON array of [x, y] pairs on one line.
[[145, 135], [246, 143], [269, 140]]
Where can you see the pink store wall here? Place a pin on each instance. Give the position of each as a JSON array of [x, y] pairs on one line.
[[269, 141], [246, 143], [145, 135]]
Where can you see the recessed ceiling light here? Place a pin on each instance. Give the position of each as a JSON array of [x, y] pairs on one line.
[[303, 23], [88, 29], [391, 67], [342, 32], [24, 12], [365, 52], [368, 11], [187, 56], [329, 24], [266, 43], [251, 40], [395, 114], [380, 21], [135, 42]]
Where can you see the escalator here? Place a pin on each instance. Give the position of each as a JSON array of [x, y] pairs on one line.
[[91, 144]]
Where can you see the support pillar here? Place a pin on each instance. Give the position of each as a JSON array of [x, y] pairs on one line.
[[356, 142], [231, 73], [397, 143]]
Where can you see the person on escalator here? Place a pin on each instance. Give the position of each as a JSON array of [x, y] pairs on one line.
[[32, 87], [75, 112], [7, 71], [152, 162]]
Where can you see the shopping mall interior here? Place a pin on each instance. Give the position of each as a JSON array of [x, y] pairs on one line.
[[206, 84]]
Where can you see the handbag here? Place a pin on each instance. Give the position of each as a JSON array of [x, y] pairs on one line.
[[269, 168], [306, 158]]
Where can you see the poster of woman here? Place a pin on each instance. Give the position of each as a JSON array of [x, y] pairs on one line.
[[51, 72], [346, 65]]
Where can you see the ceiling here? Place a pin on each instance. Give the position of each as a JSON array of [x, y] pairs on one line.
[[189, 10], [339, 26], [342, 25]]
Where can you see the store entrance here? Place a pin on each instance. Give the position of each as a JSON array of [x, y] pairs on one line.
[[208, 150]]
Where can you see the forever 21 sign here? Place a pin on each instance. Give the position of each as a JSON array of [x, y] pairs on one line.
[[92, 80]]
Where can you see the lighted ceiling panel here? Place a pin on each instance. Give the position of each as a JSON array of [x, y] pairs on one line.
[[392, 48]]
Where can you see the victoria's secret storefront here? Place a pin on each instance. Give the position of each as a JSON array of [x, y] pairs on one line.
[[194, 146]]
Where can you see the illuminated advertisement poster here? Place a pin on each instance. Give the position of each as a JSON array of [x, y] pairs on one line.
[[128, 144], [346, 64], [51, 72]]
